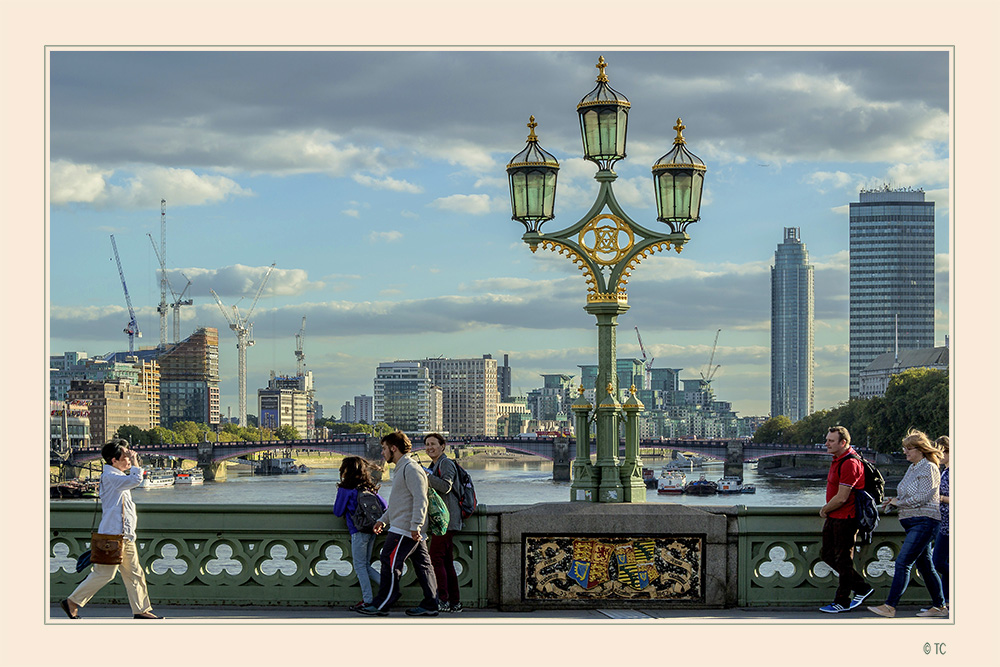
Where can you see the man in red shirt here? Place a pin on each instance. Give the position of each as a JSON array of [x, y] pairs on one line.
[[841, 527]]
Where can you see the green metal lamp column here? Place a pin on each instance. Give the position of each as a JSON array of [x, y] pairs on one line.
[[608, 409], [633, 486], [584, 486], [606, 245]]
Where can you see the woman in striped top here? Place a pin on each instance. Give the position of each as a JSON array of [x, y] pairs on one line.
[[920, 516]]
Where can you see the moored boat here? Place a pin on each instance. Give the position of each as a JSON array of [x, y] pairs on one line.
[[730, 485], [156, 478], [649, 478], [189, 476], [74, 489], [671, 481], [279, 466], [701, 487]]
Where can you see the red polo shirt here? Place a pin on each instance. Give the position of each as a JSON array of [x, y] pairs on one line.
[[849, 473]]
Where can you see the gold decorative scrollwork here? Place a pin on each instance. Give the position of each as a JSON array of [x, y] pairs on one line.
[[634, 262], [602, 241], [555, 246]]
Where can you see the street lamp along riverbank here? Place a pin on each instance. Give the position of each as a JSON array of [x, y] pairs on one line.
[[606, 245]]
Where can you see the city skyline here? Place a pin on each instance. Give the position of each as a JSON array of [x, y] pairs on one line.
[[375, 180]]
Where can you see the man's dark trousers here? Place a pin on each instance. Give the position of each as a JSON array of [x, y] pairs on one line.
[[395, 551], [838, 553]]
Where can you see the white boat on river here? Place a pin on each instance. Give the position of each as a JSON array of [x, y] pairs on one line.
[[671, 481], [155, 478], [190, 476]]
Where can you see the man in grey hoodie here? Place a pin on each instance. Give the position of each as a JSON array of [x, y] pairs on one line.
[[405, 522]]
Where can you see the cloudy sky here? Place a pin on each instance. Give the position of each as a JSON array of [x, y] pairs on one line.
[[375, 181]]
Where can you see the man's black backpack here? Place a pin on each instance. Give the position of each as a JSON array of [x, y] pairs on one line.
[[368, 510], [867, 500], [465, 490]]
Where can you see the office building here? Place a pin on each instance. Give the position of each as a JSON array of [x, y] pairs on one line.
[[503, 379], [139, 368], [302, 383], [112, 404], [189, 379], [364, 409], [468, 392], [792, 309], [552, 401], [347, 413], [69, 425], [892, 276], [406, 399]]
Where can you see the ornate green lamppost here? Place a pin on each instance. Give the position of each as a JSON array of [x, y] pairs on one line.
[[607, 245]]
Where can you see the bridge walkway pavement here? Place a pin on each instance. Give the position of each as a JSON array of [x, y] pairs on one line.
[[323, 615]]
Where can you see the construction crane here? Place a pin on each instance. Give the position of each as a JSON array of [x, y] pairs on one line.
[[176, 305], [133, 326], [161, 254], [178, 300], [243, 328], [709, 372], [648, 365], [300, 356]]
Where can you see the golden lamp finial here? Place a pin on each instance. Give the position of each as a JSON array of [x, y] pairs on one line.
[[632, 390], [531, 126], [601, 65], [580, 390], [610, 388], [680, 127]]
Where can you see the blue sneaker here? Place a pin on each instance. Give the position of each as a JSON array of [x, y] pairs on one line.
[[859, 598], [371, 610], [420, 611], [834, 608]]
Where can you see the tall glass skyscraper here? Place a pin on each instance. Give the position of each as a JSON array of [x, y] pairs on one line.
[[792, 310], [892, 275]]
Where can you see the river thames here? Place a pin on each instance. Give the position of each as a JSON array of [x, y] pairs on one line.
[[498, 482]]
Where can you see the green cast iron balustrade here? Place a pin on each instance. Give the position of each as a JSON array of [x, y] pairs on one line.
[[245, 555], [300, 555], [780, 564]]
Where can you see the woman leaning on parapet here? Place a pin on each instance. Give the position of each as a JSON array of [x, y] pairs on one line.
[[920, 515]]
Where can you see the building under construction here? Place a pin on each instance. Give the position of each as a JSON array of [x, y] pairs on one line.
[[189, 379]]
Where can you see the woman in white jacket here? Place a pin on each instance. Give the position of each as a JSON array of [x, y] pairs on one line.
[[920, 516]]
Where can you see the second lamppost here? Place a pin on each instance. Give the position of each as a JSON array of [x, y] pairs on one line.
[[606, 245]]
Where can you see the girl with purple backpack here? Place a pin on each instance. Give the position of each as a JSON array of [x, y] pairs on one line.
[[358, 474]]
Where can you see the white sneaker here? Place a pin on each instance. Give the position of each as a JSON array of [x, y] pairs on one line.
[[934, 612]]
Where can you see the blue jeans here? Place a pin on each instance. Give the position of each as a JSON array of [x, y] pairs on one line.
[[940, 559], [361, 556], [916, 550]]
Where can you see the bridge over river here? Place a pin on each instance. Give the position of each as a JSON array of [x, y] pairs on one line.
[[559, 450]]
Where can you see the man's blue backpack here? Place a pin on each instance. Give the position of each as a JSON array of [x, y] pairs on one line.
[[867, 500]]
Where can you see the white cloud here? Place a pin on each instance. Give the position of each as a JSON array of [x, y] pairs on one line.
[[387, 183], [470, 204], [137, 188], [84, 183], [387, 237], [352, 212], [239, 280], [920, 174], [837, 180]]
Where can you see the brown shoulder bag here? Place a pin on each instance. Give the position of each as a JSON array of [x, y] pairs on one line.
[[106, 549]]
